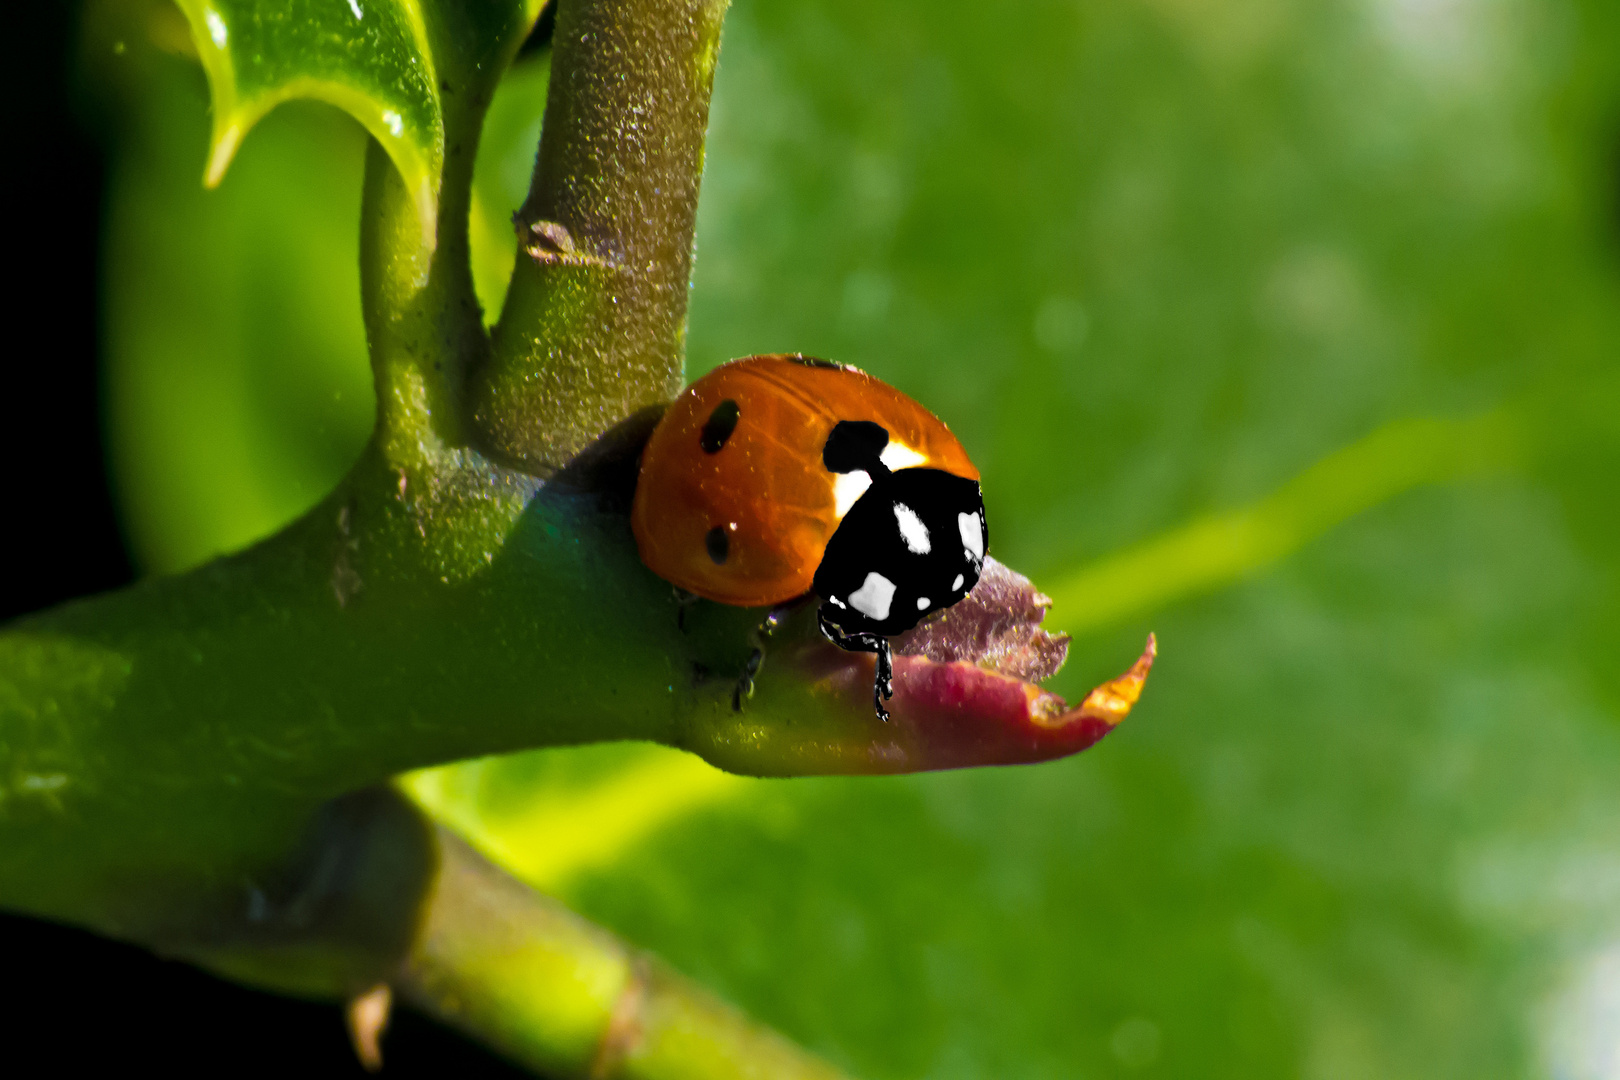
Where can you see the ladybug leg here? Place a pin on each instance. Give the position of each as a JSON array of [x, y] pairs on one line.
[[683, 602], [757, 637], [883, 683]]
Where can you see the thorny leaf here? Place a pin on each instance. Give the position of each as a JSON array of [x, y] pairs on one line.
[[1211, 247], [375, 59]]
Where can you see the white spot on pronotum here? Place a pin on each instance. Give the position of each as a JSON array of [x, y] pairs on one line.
[[216, 29], [847, 488], [922, 603], [912, 530], [972, 534], [392, 119], [354, 6], [899, 456], [874, 596], [957, 584]]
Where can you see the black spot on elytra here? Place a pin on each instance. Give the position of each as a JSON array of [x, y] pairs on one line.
[[856, 444], [718, 428], [814, 361], [718, 544]]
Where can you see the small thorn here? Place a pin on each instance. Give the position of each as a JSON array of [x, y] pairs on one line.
[[367, 1017]]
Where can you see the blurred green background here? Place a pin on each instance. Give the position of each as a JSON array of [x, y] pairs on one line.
[[1285, 329]]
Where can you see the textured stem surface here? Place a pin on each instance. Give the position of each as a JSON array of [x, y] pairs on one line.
[[550, 990], [594, 325]]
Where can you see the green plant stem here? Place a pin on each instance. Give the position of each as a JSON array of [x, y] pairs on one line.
[[198, 763], [593, 329], [423, 323], [550, 990], [164, 744], [167, 750]]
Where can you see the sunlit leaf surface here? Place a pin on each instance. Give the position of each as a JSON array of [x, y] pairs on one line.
[[368, 57], [1283, 329]]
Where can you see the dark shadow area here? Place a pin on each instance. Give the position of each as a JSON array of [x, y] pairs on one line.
[[95, 1007], [60, 537], [608, 467], [545, 27]]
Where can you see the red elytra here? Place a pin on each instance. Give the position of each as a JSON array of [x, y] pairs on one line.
[[753, 470]]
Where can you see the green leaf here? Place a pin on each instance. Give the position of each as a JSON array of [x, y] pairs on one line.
[[1167, 268], [1294, 318], [238, 391], [371, 58]]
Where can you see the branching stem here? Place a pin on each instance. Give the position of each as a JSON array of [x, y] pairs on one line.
[[549, 989], [595, 319]]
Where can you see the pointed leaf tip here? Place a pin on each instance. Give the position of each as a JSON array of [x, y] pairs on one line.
[[370, 58]]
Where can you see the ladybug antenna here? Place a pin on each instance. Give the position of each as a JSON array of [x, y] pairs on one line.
[[856, 445]]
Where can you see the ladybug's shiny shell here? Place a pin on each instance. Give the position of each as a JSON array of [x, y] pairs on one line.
[[734, 501]]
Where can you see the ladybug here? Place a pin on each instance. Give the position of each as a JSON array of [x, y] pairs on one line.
[[774, 479]]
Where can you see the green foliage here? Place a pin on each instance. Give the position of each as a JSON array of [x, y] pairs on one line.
[[1154, 263], [379, 69], [228, 426], [379, 60]]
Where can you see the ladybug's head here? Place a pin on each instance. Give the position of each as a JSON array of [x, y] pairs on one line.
[[911, 545]]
